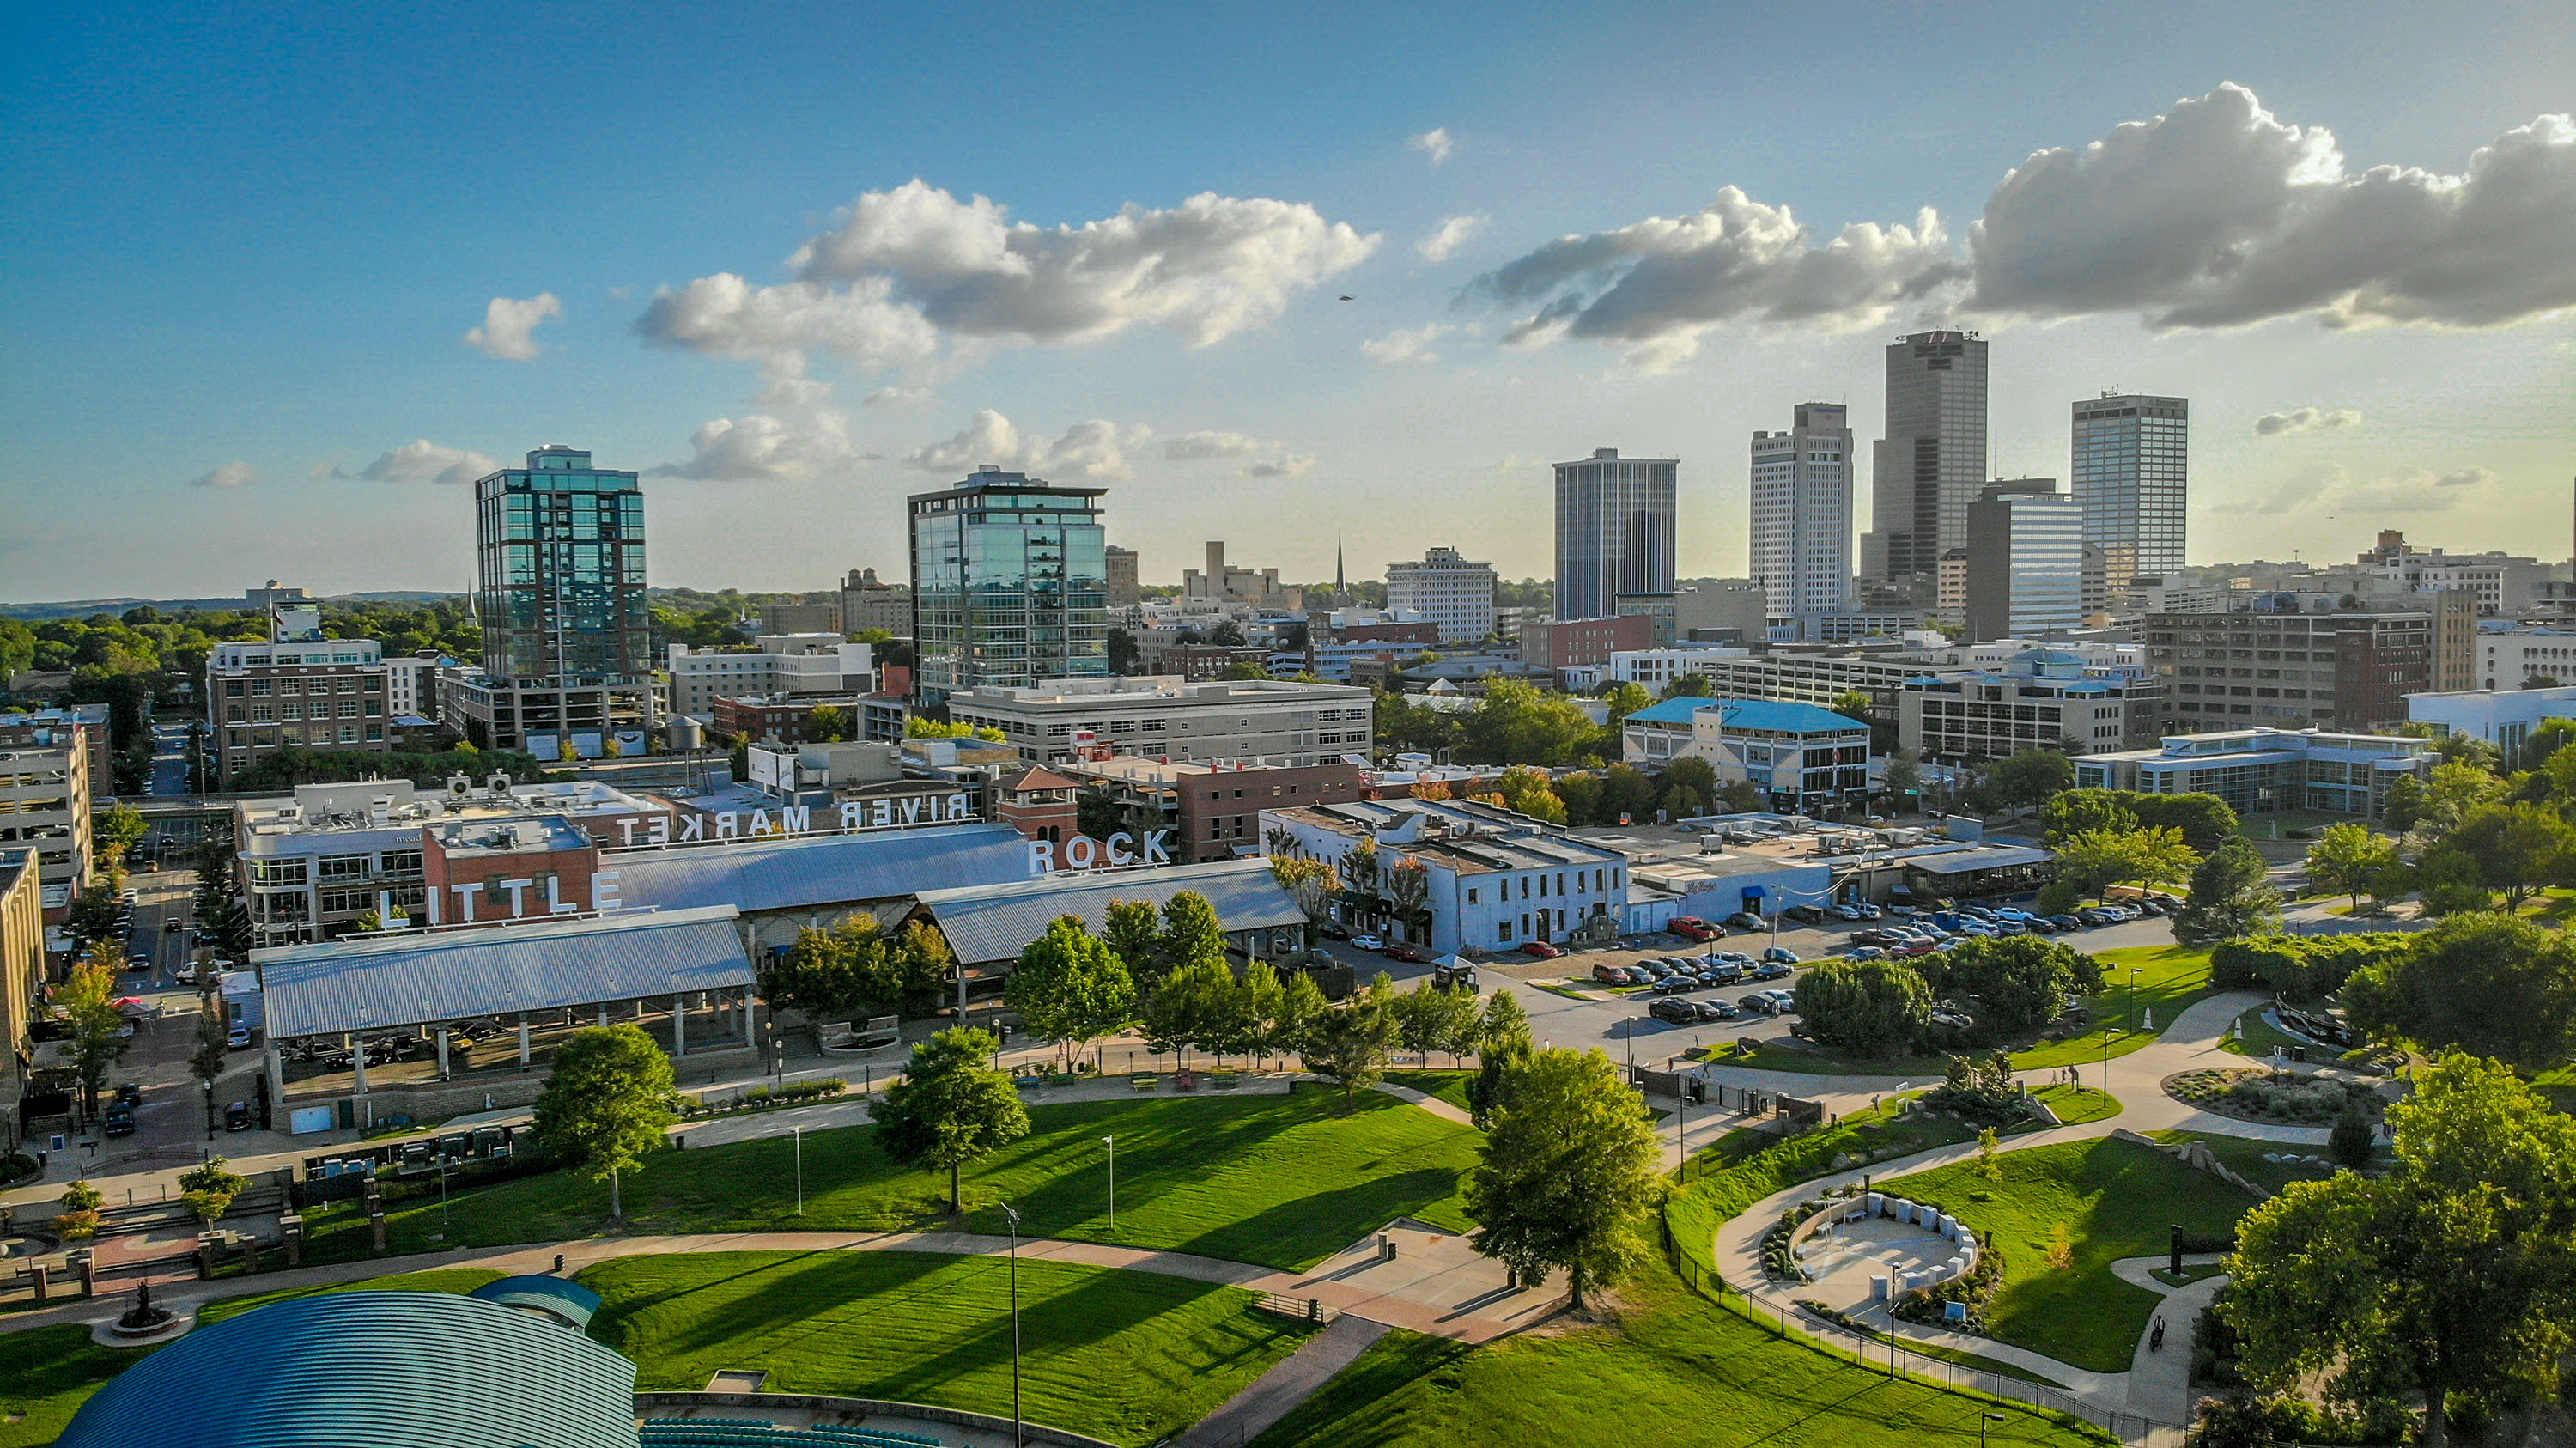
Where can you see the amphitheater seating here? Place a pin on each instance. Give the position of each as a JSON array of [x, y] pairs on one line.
[[760, 1433]]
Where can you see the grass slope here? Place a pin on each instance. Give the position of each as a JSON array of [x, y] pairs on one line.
[[1127, 1356], [2116, 1199], [1284, 1181], [47, 1373], [1449, 1086], [2077, 1105], [1675, 1371]]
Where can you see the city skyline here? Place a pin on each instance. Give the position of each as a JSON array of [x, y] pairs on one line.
[[777, 293]]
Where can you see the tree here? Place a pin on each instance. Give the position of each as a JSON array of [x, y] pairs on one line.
[[2491, 985], [1690, 686], [1568, 1170], [2231, 896], [1515, 724], [826, 723], [1867, 1007], [209, 1188], [1070, 988], [1192, 934], [1308, 882], [1184, 1009], [1262, 996], [2020, 981], [2454, 1276], [1244, 671], [2401, 805], [97, 1029], [1737, 796], [2545, 740], [2029, 777], [2451, 792], [2348, 857], [1904, 779], [2350, 1141], [950, 1108], [1291, 1024], [2076, 811], [1852, 704], [606, 1103], [1503, 1046], [1532, 792], [2098, 859], [212, 1051], [1692, 776], [2519, 847], [1626, 699], [93, 917], [1408, 889], [852, 971], [1134, 933], [1582, 796], [1625, 792], [116, 832], [1350, 1043], [1429, 1020]]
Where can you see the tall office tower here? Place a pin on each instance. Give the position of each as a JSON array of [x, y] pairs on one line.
[[1802, 514], [2025, 561], [2132, 469], [567, 633], [1010, 584], [1447, 589], [1614, 531], [1931, 464]]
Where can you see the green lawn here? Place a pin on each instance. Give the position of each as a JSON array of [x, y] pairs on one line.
[[2116, 1199], [2559, 1086], [1449, 1086], [2244, 1156], [2255, 1036], [1676, 1371], [1284, 1181], [1744, 1166], [1126, 1356], [2076, 1105], [47, 1373]]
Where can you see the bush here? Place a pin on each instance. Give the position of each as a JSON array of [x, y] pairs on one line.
[[76, 1226], [80, 1196], [2299, 967], [2351, 1140], [17, 1166]]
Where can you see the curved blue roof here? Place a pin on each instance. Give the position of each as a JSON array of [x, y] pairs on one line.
[[568, 1300], [387, 1369]]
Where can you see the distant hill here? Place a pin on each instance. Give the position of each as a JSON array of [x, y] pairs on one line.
[[84, 607]]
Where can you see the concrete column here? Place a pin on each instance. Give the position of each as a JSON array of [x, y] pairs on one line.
[[603, 1013], [358, 1062], [679, 1026], [523, 1040], [43, 1291], [747, 1013], [442, 1053], [292, 1226], [207, 1244], [639, 1008]]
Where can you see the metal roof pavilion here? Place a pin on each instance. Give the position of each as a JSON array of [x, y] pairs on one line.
[[992, 922], [414, 979], [801, 873]]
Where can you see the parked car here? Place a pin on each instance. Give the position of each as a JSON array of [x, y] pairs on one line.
[[139, 960], [1609, 974], [237, 1116], [238, 1039], [173, 926], [1541, 949], [1676, 984], [1768, 970], [1398, 950], [1911, 949], [1779, 955], [1722, 972], [119, 1121], [1366, 942], [2066, 922], [1690, 927], [1949, 1020], [2040, 925], [1804, 914], [1783, 1002], [1334, 930], [1715, 1010], [1864, 952], [1849, 912], [1674, 1012], [1746, 920], [1638, 975], [2097, 915]]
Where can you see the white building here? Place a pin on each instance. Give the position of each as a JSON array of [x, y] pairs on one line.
[[1491, 878], [1447, 589], [1276, 721], [1802, 514], [2507, 658], [1801, 757], [2501, 717], [776, 664], [411, 687], [2261, 770]]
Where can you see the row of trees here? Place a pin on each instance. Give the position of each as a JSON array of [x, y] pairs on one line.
[[1876, 1007]]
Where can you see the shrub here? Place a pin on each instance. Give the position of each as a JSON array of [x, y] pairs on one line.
[[2299, 967], [80, 1196], [2350, 1143], [76, 1226]]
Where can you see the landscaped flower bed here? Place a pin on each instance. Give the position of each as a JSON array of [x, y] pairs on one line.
[[2253, 1094]]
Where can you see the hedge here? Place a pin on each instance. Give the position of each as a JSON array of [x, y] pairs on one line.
[[2299, 967]]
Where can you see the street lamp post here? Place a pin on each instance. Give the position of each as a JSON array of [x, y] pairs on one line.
[[1014, 1219], [2107, 1038], [2133, 997], [798, 1132], [1981, 1427], [1111, 1142]]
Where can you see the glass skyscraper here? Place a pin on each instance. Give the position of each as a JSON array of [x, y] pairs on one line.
[[2025, 561], [567, 629], [1010, 584], [2132, 473], [1614, 531], [1931, 464]]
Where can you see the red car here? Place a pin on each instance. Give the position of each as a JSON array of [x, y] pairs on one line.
[[1542, 950], [1911, 949], [1401, 951], [1691, 927]]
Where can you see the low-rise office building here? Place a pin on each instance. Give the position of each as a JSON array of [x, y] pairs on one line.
[[1168, 718], [817, 664], [785, 718], [1800, 757], [1487, 877], [2262, 771], [1559, 643], [2039, 699], [2504, 718], [322, 694], [2291, 660], [1214, 811]]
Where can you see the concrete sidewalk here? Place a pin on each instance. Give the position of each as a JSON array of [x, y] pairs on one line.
[[1290, 1381]]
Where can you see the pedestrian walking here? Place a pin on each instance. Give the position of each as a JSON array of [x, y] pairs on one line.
[[2156, 1338]]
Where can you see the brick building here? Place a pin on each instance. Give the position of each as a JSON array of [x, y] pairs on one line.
[[1558, 643]]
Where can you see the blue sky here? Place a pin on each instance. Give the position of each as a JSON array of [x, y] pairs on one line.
[[246, 245]]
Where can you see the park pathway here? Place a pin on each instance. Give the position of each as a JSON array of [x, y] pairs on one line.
[[1290, 1381]]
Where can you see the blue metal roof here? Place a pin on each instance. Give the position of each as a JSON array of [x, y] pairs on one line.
[[806, 873], [993, 923], [1771, 715], [403, 980], [1673, 711], [559, 1296], [387, 1369]]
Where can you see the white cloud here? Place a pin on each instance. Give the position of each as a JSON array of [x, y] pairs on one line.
[[1658, 285], [2215, 214], [729, 317], [1405, 345], [1434, 143], [507, 323], [230, 475], [1444, 241], [896, 397], [2305, 419], [1190, 446], [2218, 214], [765, 447], [1294, 465], [2333, 490], [420, 461], [1094, 450]]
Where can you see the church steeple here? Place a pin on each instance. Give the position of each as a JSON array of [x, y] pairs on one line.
[[1341, 586]]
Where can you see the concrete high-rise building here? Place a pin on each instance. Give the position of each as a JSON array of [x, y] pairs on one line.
[[2025, 561], [868, 604], [567, 630], [2131, 472], [1124, 588], [1010, 584], [1448, 590], [1614, 531], [1802, 513], [1932, 463]]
